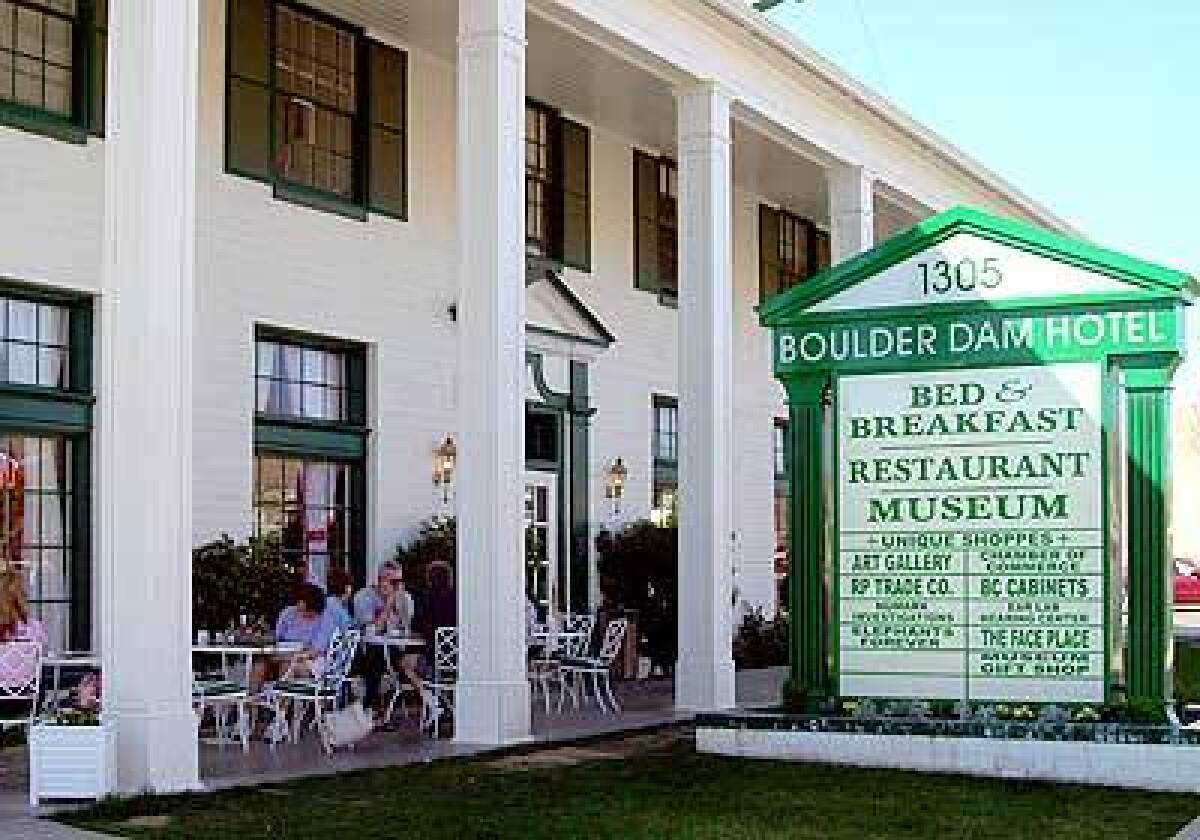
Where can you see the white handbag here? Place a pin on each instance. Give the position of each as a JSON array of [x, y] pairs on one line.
[[345, 727]]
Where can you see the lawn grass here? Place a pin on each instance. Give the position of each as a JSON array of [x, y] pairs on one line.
[[669, 791]]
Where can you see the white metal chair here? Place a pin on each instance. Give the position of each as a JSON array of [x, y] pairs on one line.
[[221, 696], [437, 695], [20, 682], [544, 669], [576, 672], [321, 691]]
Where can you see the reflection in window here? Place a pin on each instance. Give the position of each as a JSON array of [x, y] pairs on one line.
[[305, 504], [316, 102], [36, 494], [297, 381]]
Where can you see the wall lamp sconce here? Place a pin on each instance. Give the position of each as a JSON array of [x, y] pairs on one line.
[[615, 483], [445, 457]]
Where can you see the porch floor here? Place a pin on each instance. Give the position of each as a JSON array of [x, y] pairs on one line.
[[644, 703]]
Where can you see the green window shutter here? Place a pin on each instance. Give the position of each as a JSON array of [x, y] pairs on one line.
[[387, 115], [645, 222], [248, 88], [97, 66], [768, 251], [576, 199]]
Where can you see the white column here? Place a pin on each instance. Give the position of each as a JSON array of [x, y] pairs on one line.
[[704, 677], [145, 395], [851, 211], [492, 706]]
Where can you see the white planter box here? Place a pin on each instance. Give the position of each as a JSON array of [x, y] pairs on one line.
[[1163, 767], [71, 762]]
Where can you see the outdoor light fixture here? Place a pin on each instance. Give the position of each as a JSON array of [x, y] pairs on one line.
[[615, 489], [444, 459]]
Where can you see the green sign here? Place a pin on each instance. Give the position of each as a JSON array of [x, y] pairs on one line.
[[961, 391]]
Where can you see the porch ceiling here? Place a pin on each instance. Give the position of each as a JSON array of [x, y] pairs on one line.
[[614, 86]]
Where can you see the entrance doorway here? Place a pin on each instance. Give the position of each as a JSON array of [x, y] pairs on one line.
[[542, 585]]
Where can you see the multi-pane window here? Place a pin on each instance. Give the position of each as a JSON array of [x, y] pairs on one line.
[[317, 108], [539, 181], [665, 451], [35, 343], [792, 249], [656, 238], [45, 456], [782, 494], [557, 187], [36, 504], [295, 380], [309, 451], [307, 504], [51, 65], [316, 101], [666, 429]]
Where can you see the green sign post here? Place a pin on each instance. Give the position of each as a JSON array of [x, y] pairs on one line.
[[980, 467]]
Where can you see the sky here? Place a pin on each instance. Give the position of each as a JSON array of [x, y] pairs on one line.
[[1091, 107]]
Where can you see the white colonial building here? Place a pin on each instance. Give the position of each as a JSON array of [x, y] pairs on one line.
[[261, 259]]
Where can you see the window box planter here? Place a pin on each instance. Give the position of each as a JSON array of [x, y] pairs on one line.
[[71, 762]]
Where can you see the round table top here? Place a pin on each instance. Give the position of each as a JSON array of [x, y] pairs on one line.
[[247, 649]]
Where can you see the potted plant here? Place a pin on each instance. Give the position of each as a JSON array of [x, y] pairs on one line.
[[72, 749]]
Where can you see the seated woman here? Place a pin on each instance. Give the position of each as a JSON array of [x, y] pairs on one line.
[[16, 625], [306, 622]]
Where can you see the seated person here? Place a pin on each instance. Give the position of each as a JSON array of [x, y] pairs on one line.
[[305, 622], [16, 625], [380, 608], [439, 606]]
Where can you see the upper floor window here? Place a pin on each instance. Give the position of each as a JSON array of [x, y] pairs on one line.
[[557, 187], [52, 55], [305, 381], [655, 240], [316, 108], [792, 249], [666, 429]]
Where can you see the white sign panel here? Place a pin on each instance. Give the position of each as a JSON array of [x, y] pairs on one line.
[[969, 268], [970, 534]]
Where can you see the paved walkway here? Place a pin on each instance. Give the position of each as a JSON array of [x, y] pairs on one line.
[[644, 704]]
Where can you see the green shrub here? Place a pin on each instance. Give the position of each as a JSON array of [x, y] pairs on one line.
[[230, 580], [761, 642], [434, 542], [639, 570]]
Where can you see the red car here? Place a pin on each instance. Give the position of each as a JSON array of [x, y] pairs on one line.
[[1187, 583]]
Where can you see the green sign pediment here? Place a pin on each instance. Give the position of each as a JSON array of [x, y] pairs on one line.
[[967, 259], [966, 289]]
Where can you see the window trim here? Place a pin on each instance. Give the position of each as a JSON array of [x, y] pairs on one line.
[[80, 125]]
